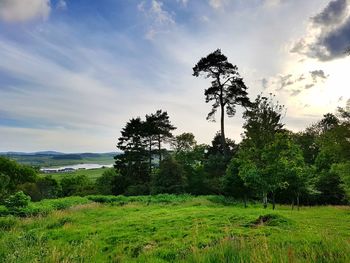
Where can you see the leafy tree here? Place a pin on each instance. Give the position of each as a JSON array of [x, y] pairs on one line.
[[76, 185], [184, 142], [133, 163], [227, 87], [307, 141], [192, 161], [263, 121], [218, 148], [233, 185], [4, 182], [15, 174], [108, 183], [284, 166], [48, 187], [170, 178], [160, 128], [343, 171]]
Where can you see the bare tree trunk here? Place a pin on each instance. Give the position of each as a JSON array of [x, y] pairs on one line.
[[265, 199], [298, 203], [222, 119], [150, 155], [273, 201], [223, 139], [159, 149]]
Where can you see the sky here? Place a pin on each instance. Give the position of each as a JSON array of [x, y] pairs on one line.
[[73, 72]]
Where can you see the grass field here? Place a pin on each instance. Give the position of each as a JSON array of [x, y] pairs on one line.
[[49, 161], [170, 228], [92, 174]]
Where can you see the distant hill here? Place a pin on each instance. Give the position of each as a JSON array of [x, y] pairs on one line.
[[68, 157], [53, 158]]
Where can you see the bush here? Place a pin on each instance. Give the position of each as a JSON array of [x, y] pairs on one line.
[[170, 178], [7, 223], [76, 185], [18, 200], [106, 184]]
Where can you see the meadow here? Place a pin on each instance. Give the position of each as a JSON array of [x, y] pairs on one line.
[[49, 160], [173, 228], [92, 174]]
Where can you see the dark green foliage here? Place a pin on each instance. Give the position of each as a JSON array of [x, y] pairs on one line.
[[136, 164], [170, 178], [342, 170], [259, 148], [76, 185], [13, 174], [233, 185], [330, 186], [107, 183], [263, 121], [184, 142], [18, 200], [4, 183]]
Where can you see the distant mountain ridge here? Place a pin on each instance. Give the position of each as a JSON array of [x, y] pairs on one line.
[[54, 153]]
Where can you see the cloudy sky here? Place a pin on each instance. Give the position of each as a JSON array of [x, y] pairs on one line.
[[72, 72]]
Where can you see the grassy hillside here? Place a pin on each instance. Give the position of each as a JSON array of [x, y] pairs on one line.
[[170, 228], [49, 160], [92, 174]]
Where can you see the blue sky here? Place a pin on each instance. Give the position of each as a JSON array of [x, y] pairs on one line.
[[73, 72]]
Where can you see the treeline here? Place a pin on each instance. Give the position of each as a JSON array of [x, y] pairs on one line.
[[271, 162]]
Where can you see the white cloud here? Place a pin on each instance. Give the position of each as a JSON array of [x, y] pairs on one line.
[[61, 5], [159, 19], [24, 10], [217, 3]]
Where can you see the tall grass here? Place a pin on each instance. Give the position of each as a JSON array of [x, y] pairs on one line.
[[170, 228]]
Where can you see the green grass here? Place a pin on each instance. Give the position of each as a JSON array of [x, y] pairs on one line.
[[92, 174], [48, 161], [169, 228]]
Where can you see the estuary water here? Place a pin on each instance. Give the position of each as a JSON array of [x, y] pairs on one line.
[[86, 166]]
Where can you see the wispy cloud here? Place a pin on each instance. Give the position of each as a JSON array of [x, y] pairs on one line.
[[159, 19]]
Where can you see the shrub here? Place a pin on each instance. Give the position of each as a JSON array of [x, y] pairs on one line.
[[170, 178], [76, 185], [18, 200], [7, 223], [106, 183]]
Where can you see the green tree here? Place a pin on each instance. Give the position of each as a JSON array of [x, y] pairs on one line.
[[133, 162], [76, 185], [170, 178], [4, 182], [284, 166], [184, 142], [263, 121], [15, 174], [342, 170], [108, 183], [227, 87], [160, 128], [233, 185]]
